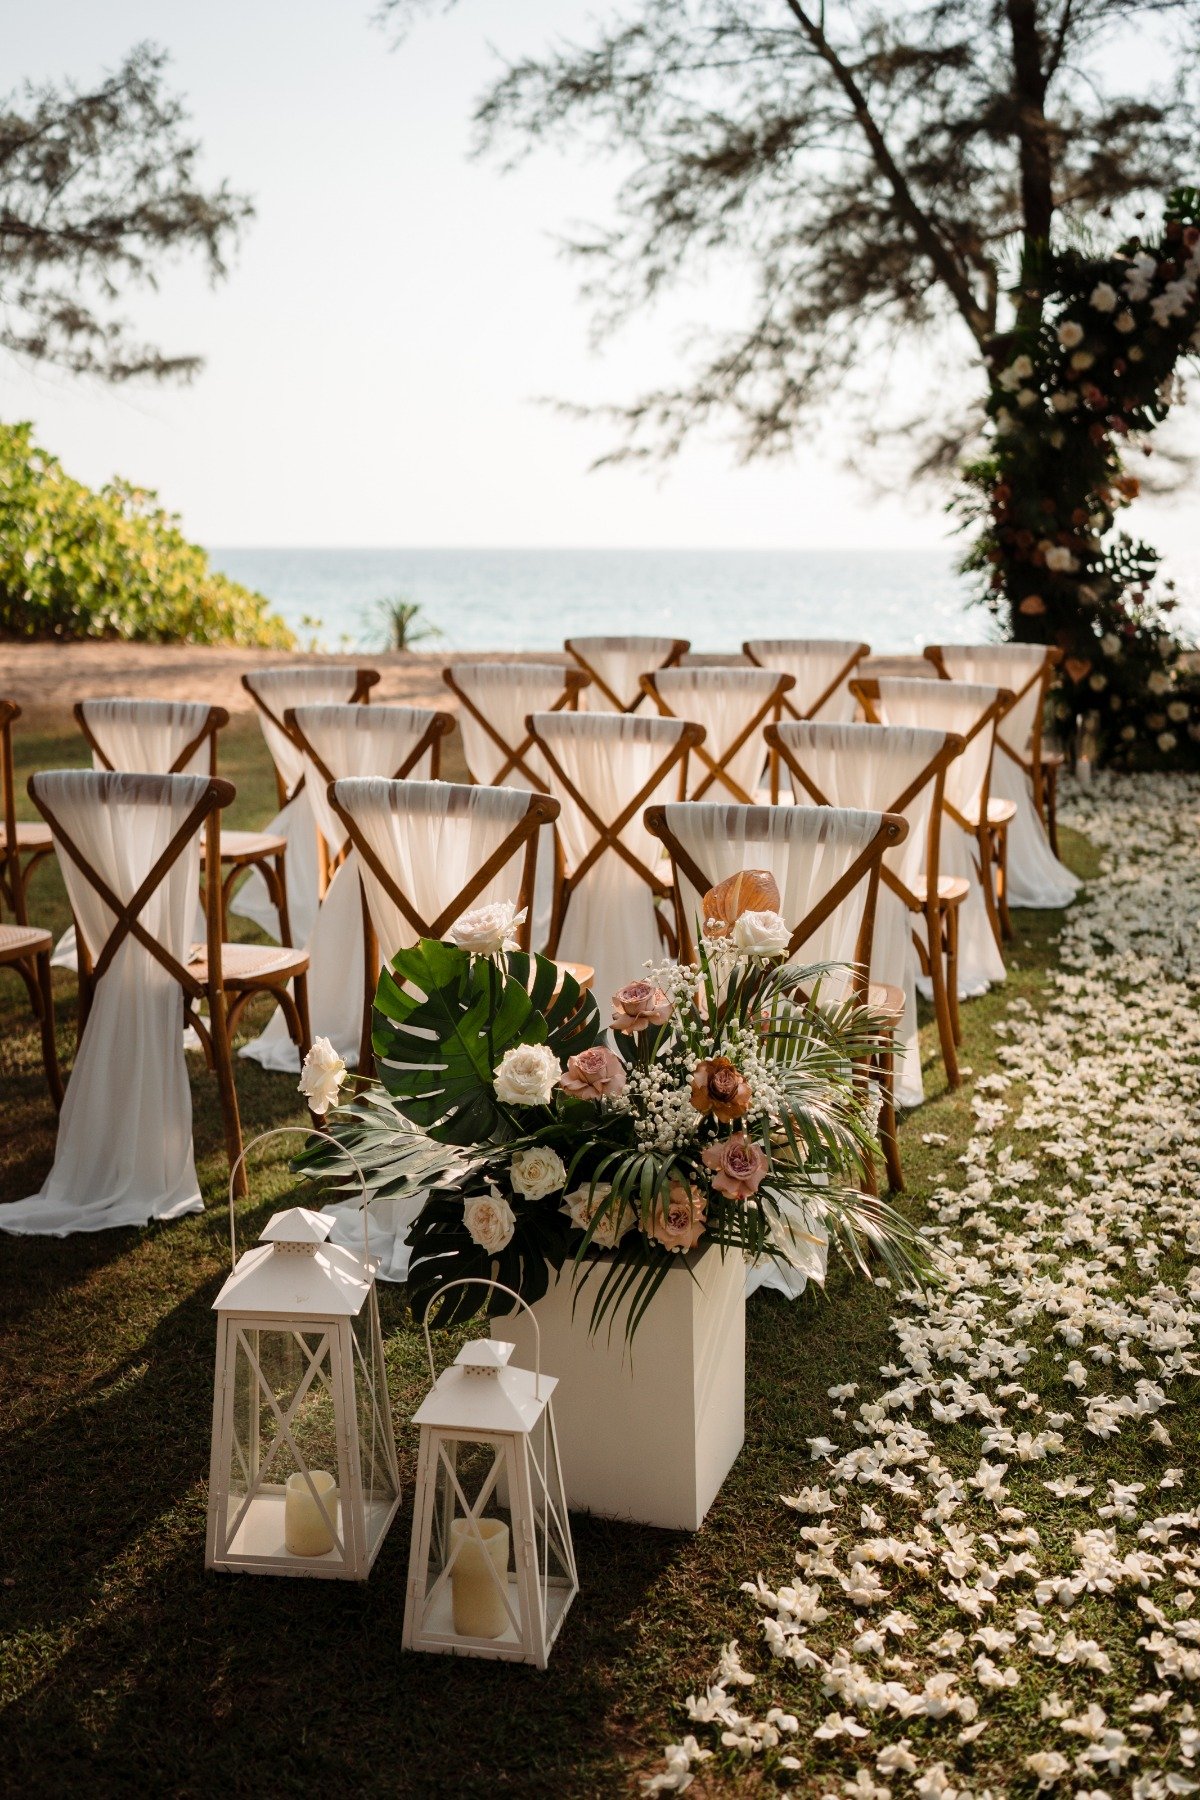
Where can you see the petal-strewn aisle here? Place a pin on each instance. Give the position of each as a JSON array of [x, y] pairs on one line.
[[997, 1562]]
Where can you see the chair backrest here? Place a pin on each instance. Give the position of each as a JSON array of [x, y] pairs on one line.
[[1026, 669], [152, 737], [338, 742], [432, 850], [615, 665], [967, 709], [496, 699], [820, 669], [273, 691], [897, 769], [732, 703], [825, 859], [129, 848]]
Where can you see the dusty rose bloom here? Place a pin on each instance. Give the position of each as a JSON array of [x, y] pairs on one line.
[[639, 1004], [680, 1225], [717, 1088], [738, 1166], [593, 1073]]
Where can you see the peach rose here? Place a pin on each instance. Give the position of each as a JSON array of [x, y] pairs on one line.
[[639, 1004], [594, 1073], [717, 1088], [679, 1225], [738, 1166]]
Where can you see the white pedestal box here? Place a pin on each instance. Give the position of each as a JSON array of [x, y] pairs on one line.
[[647, 1430]]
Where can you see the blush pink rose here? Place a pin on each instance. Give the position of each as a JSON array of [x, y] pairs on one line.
[[639, 1004], [593, 1074], [679, 1225], [738, 1166]]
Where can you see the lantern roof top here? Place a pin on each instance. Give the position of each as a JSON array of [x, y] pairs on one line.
[[472, 1396], [298, 1225], [332, 1282]]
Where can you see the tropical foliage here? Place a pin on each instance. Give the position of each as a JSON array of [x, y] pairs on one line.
[[77, 562]]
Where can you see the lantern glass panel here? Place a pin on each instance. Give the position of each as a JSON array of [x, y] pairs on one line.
[[376, 1450], [555, 1556], [471, 1587]]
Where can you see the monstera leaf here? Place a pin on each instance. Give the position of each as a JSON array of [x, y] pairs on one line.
[[443, 1253], [444, 1019]]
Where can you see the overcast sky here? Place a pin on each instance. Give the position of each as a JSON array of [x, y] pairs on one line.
[[373, 363]]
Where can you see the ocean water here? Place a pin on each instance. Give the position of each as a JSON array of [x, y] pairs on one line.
[[532, 599]]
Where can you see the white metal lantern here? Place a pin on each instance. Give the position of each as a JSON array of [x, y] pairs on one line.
[[303, 1479], [492, 1568]]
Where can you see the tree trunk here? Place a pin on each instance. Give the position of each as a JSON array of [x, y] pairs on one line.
[[1034, 143]]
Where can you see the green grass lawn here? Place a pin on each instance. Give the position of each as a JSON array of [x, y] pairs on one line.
[[124, 1667]]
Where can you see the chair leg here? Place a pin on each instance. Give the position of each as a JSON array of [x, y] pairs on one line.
[[1051, 791], [885, 1064], [952, 973], [49, 1047], [223, 1066], [281, 900], [937, 937], [1006, 924], [983, 843], [300, 990]]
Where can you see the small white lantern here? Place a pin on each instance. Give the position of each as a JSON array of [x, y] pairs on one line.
[[492, 1568], [304, 1479]]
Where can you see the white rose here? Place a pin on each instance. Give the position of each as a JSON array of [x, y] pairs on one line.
[[1066, 400], [583, 1203], [1110, 643], [761, 934], [527, 1076], [1027, 397], [1022, 368], [490, 1221], [1082, 359], [1158, 681], [1178, 710], [1059, 558], [1097, 683], [1167, 741], [536, 1173], [485, 930], [1125, 322], [1070, 333], [322, 1075], [1103, 297]]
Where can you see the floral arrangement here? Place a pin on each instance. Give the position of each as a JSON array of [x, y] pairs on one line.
[[724, 1102], [1087, 375]]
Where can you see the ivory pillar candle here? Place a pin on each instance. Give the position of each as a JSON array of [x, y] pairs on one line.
[[305, 1531], [479, 1578]]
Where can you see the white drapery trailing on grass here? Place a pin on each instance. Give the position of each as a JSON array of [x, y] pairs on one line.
[[279, 689], [124, 1150], [870, 766], [1036, 878], [349, 740], [815, 663], [619, 661], [723, 700], [956, 706], [611, 921], [807, 850], [142, 737]]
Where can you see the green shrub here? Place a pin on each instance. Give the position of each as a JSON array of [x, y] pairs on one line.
[[109, 563]]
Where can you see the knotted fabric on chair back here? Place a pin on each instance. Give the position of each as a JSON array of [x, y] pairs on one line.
[[149, 736], [615, 665], [732, 704], [873, 767], [821, 669], [124, 1152], [605, 769], [341, 742]]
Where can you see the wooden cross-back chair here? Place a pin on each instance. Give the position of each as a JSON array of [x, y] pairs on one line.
[[515, 767], [934, 898], [608, 840], [830, 661], [428, 743], [459, 799], [647, 652], [990, 835], [753, 829], [25, 948], [223, 976], [1040, 765], [364, 681], [715, 757], [89, 715]]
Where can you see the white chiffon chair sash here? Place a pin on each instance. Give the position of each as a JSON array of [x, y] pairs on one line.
[[619, 662], [350, 741], [124, 1150], [723, 700], [611, 921], [279, 689], [1035, 875], [814, 663], [870, 766], [956, 706]]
